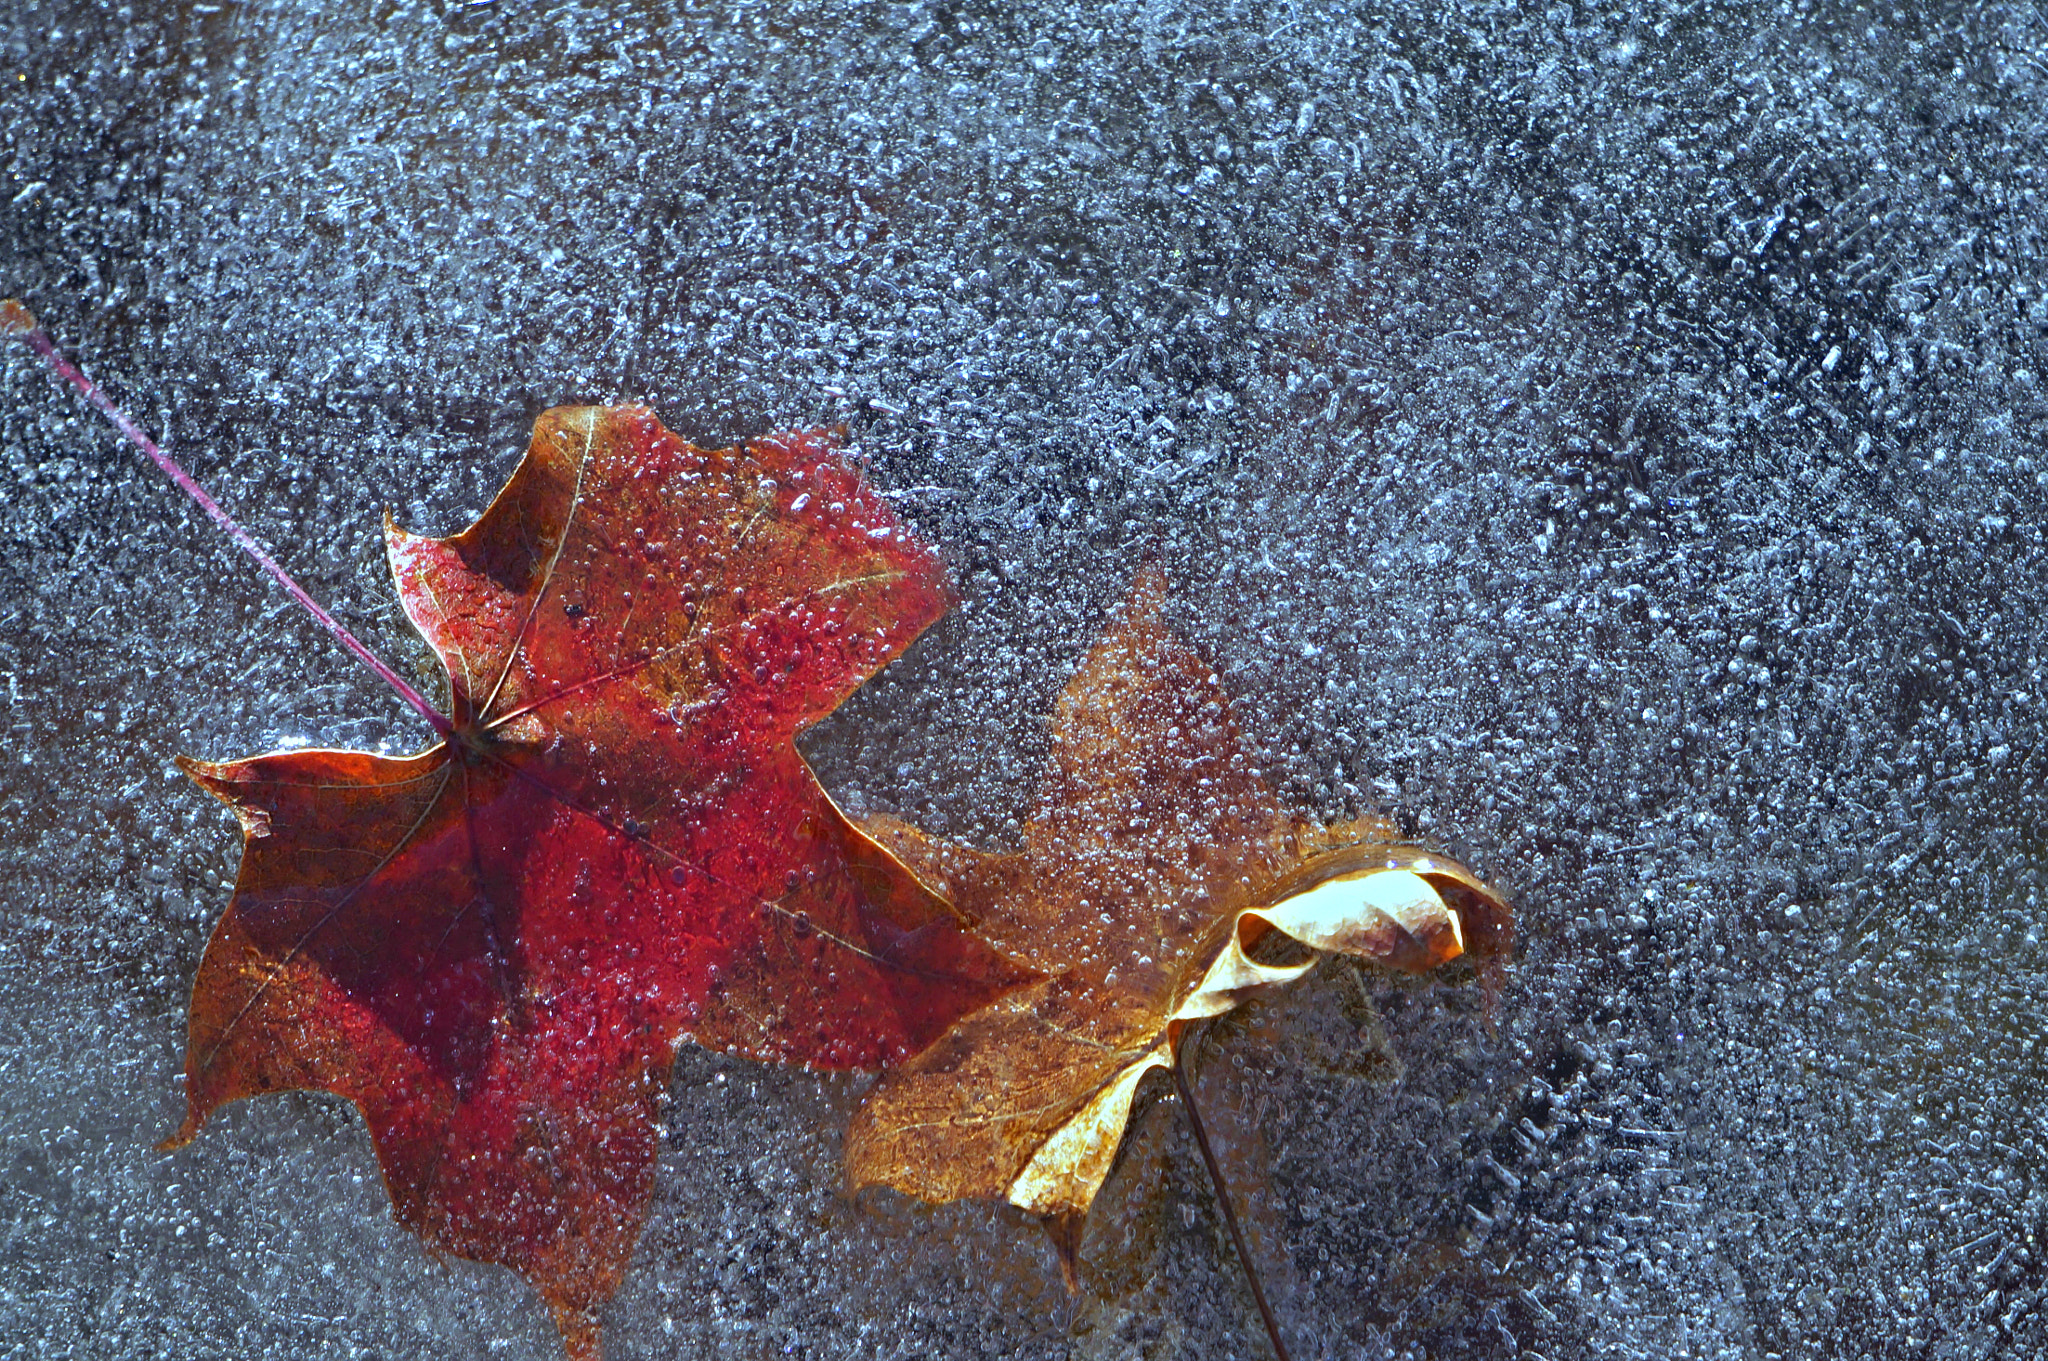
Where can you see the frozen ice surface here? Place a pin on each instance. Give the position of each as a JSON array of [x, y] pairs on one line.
[[1613, 447]]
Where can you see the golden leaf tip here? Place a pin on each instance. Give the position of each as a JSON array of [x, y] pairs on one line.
[[185, 1134], [15, 318], [1065, 1229], [582, 1338]]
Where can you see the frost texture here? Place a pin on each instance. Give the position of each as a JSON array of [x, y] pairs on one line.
[[1614, 449]]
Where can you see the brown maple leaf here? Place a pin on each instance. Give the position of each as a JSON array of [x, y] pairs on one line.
[[493, 947], [1156, 859]]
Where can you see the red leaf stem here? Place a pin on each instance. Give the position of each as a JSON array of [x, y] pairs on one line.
[[16, 319]]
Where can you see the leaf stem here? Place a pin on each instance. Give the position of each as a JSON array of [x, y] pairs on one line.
[[16, 319], [1244, 1258]]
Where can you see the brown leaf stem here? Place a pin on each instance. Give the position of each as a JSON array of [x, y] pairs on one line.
[[1244, 1257]]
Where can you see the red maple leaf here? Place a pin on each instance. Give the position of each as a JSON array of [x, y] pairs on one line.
[[494, 947]]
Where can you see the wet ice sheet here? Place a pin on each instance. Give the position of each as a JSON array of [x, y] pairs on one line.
[[1610, 448]]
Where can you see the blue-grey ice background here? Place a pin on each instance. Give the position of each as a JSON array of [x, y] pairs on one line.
[[1612, 447]]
